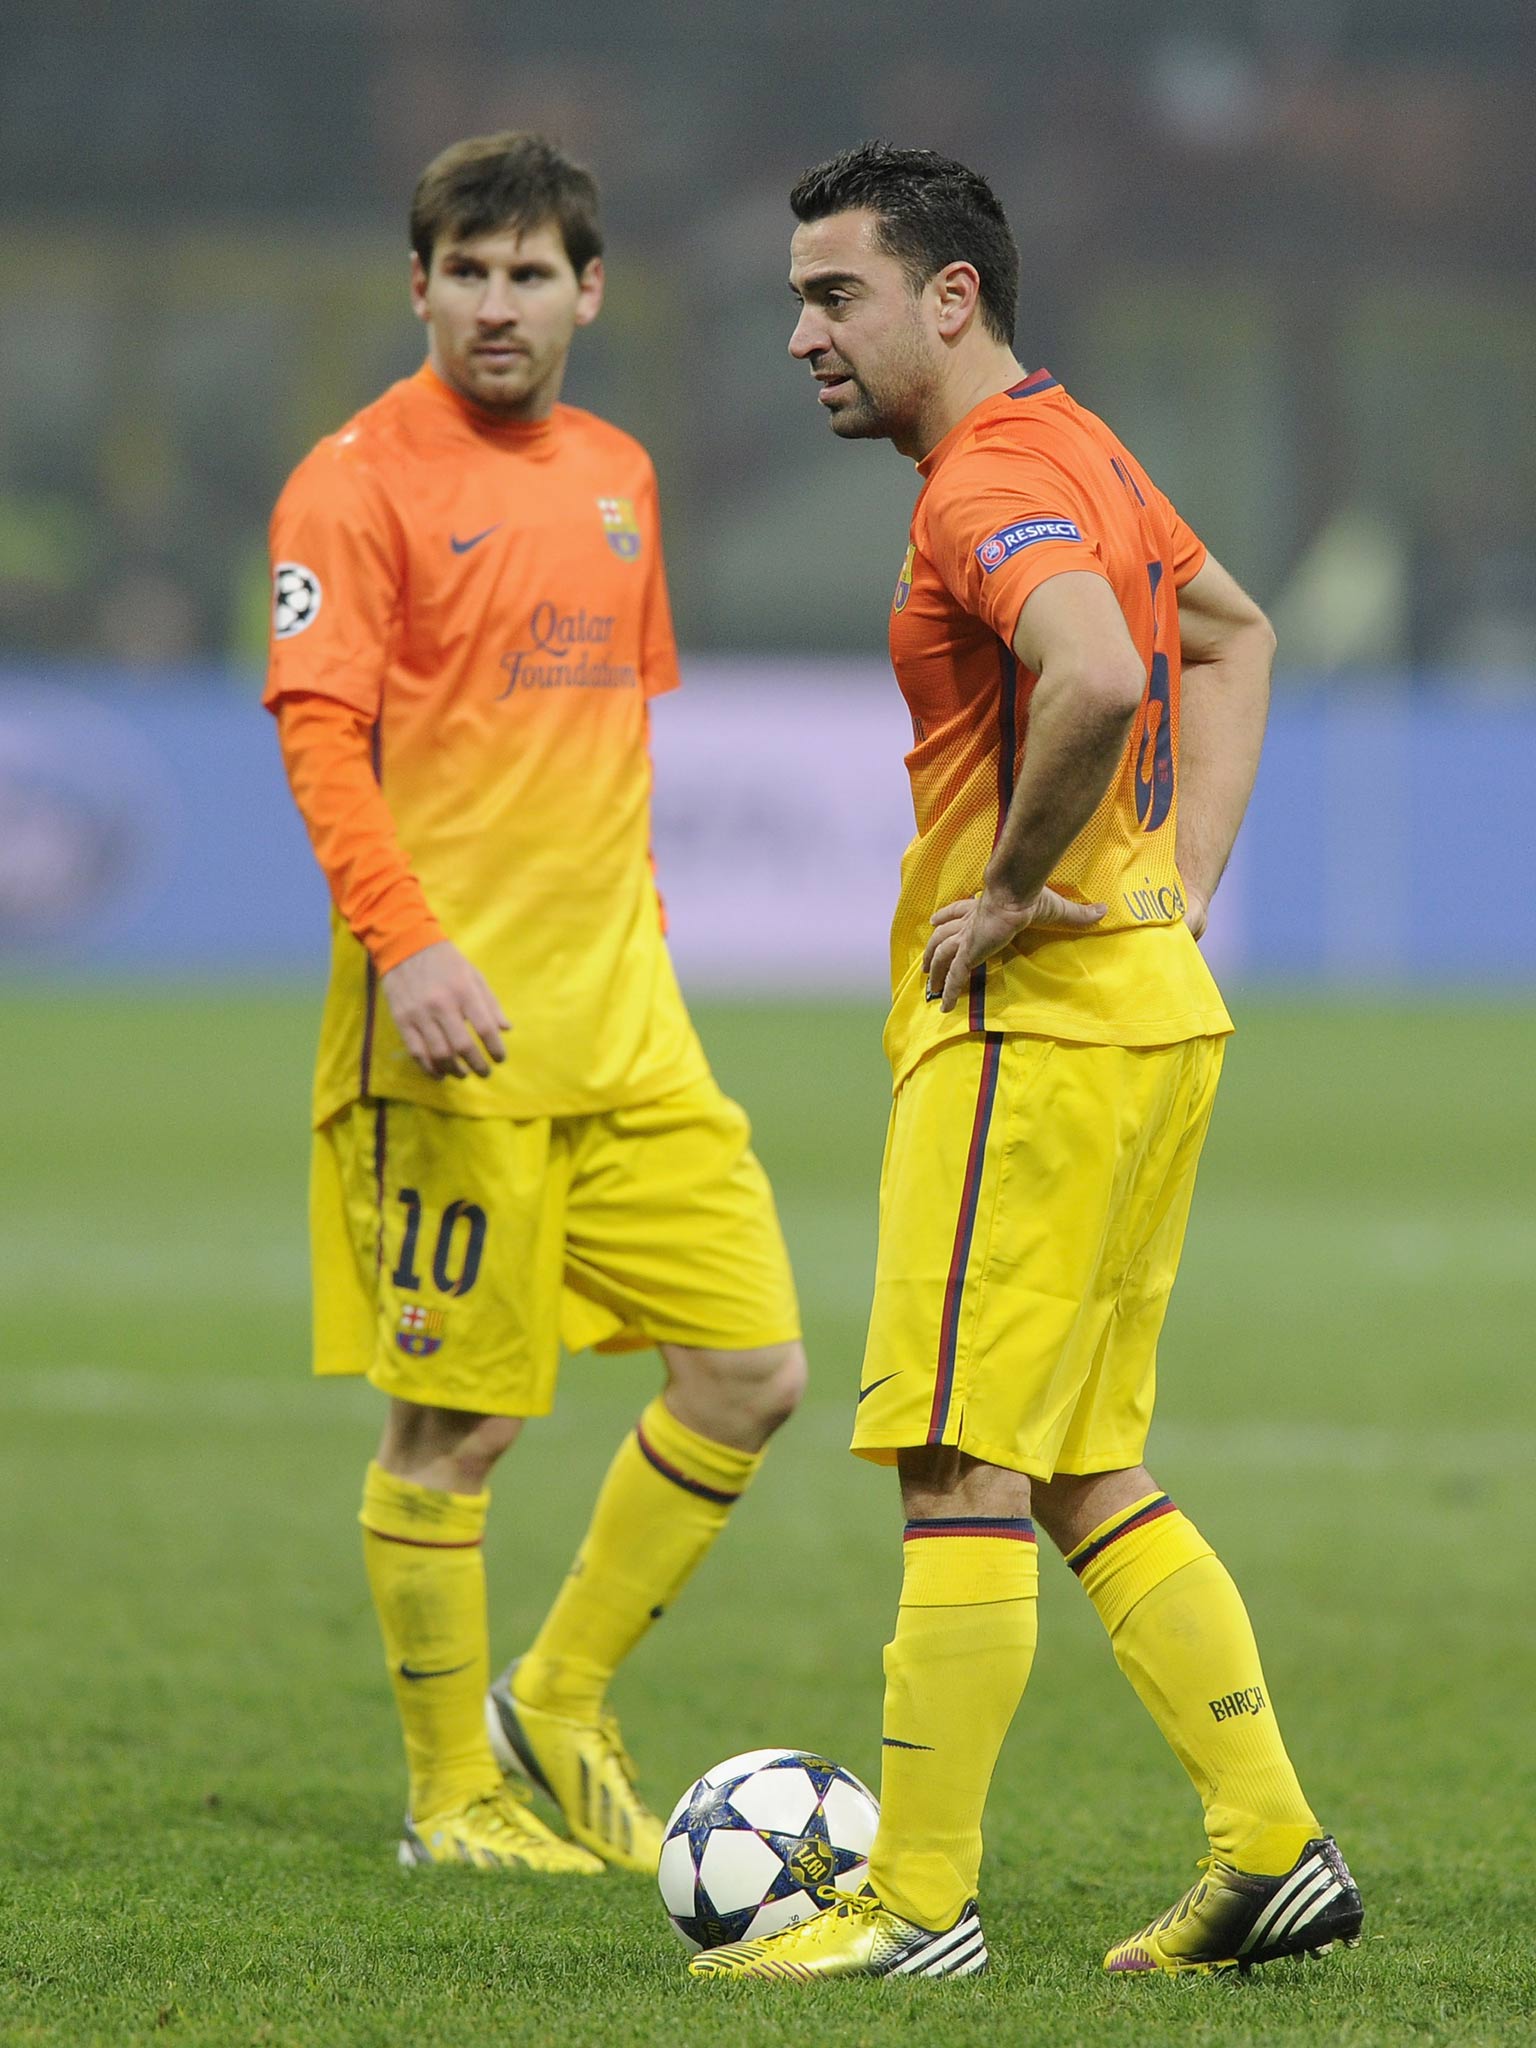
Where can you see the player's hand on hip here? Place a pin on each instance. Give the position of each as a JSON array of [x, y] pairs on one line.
[[968, 932], [1197, 910], [447, 1017]]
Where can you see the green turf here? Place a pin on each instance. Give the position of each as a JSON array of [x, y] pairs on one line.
[[201, 1778]]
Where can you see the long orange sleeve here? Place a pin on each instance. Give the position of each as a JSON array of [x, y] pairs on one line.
[[327, 751]]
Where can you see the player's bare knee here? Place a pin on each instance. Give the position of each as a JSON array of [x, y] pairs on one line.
[[1072, 1505], [941, 1480], [784, 1389], [448, 1449], [724, 1393]]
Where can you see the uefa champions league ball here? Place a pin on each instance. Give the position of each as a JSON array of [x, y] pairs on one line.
[[751, 1844]]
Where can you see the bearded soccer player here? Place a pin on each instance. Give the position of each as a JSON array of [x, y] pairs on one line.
[[517, 1137], [1088, 691]]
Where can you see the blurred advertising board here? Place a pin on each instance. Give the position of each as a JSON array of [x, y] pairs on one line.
[[146, 829]]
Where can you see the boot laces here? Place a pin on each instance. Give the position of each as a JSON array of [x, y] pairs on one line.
[[500, 1814], [847, 1905]]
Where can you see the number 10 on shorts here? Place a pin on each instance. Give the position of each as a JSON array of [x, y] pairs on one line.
[[456, 1253]]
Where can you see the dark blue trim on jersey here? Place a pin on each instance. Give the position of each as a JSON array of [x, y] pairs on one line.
[[1007, 751], [1126, 478], [1036, 382], [371, 996]]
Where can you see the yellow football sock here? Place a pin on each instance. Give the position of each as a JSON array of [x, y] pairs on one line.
[[955, 1672], [1181, 1635], [426, 1571], [667, 1496]]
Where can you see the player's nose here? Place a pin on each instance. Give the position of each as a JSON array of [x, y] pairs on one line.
[[498, 304], [809, 337]]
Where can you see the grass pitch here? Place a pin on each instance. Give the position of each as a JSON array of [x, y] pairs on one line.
[[201, 1776]]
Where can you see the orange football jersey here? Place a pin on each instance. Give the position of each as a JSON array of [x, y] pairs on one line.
[[1029, 485], [491, 598]]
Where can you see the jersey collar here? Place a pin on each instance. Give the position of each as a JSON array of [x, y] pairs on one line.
[[1032, 386], [524, 433]]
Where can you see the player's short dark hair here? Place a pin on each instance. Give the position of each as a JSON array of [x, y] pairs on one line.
[[931, 211], [493, 182]]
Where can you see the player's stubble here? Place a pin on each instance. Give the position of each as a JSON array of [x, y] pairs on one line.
[[884, 395]]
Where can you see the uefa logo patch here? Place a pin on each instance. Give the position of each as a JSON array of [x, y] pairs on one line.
[[296, 596], [1008, 540]]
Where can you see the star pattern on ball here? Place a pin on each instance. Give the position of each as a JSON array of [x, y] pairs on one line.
[[808, 1858]]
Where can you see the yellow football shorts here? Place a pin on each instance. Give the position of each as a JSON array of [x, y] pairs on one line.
[[1032, 1210], [454, 1254]]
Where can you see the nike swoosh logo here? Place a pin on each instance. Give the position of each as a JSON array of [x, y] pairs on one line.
[[462, 547], [865, 1392], [451, 1672], [894, 1742]]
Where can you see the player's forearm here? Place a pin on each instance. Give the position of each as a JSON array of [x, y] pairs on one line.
[[1078, 725], [1223, 705], [326, 754]]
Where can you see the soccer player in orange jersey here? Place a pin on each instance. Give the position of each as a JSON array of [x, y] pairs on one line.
[[518, 1141], [1088, 692]]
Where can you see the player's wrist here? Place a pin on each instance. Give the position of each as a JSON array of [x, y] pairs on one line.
[[1008, 896], [395, 952]]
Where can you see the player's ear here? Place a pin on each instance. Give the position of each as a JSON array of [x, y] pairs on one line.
[[589, 294], [418, 287], [957, 292]]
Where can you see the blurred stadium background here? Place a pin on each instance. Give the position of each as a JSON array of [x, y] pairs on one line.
[[1286, 250]]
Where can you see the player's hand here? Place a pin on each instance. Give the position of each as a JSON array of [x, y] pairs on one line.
[[1197, 910], [966, 933], [445, 1013]]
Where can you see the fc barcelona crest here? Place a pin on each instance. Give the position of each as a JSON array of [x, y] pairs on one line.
[[904, 580], [621, 526], [420, 1330]]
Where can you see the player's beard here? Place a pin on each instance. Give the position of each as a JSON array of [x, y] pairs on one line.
[[888, 400], [511, 391]]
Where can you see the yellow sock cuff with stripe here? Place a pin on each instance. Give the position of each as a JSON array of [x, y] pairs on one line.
[[720, 1473], [426, 1571], [1182, 1636], [667, 1495], [1132, 1551], [403, 1512], [955, 1672]]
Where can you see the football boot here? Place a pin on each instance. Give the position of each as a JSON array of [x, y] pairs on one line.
[[854, 1937], [583, 1767], [1232, 1919], [493, 1832]]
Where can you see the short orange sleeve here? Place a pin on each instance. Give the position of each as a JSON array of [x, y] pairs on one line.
[[1186, 550], [336, 582], [1000, 522], [658, 657]]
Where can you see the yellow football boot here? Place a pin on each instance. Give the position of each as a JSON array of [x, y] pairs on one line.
[[855, 1937], [1233, 1920], [494, 1832], [584, 1768]]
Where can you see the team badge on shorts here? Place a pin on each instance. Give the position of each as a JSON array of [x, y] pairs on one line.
[[296, 598], [904, 580], [420, 1330], [621, 526]]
